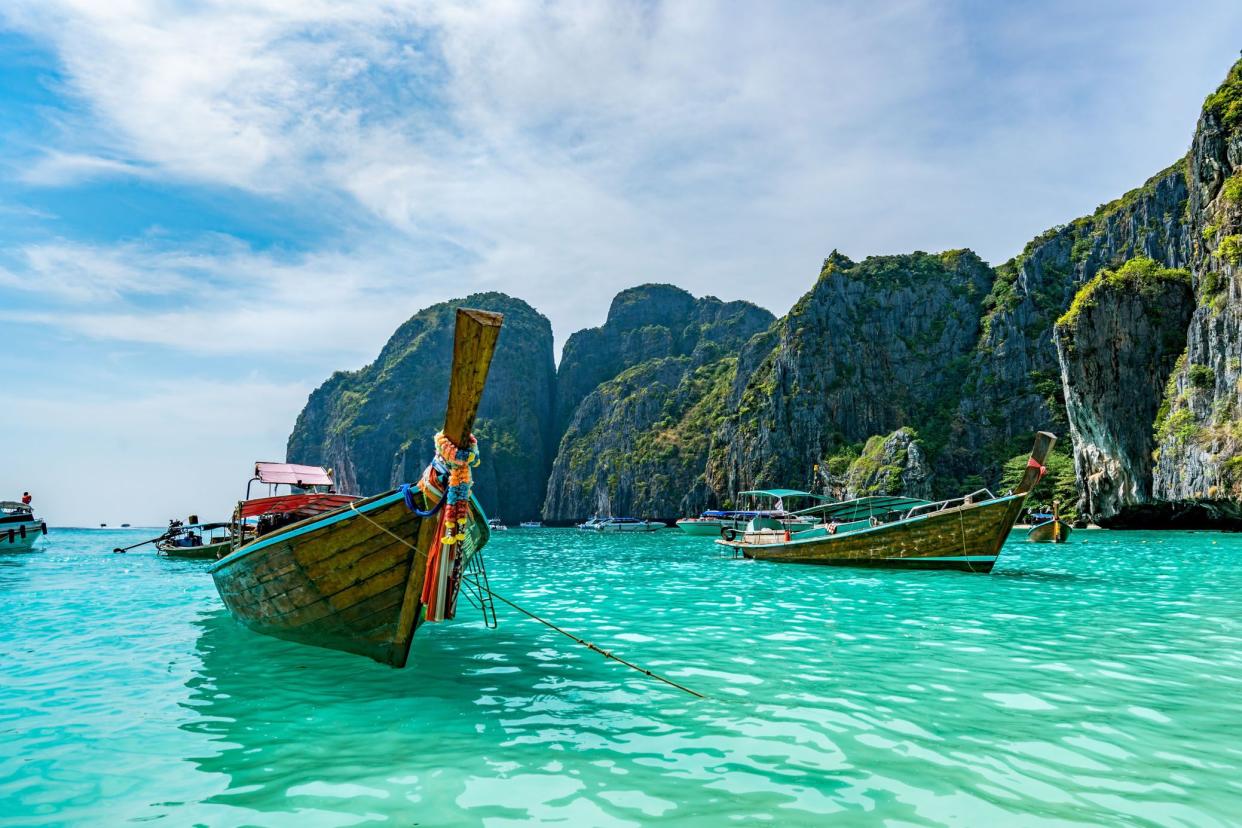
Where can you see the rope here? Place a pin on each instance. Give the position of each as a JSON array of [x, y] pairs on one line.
[[546, 623], [590, 646]]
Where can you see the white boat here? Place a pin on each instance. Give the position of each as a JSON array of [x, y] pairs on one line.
[[531, 524], [19, 528], [592, 524], [627, 525], [495, 525], [714, 522]]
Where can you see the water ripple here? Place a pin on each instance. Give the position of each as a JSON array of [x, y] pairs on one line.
[[1092, 683]]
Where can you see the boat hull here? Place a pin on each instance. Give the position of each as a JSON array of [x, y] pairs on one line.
[[967, 538], [340, 580], [703, 527], [1052, 531], [210, 551], [21, 536]]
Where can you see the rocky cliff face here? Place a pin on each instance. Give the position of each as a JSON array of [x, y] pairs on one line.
[[892, 465], [874, 346], [1014, 385], [374, 426], [645, 323], [636, 441], [1118, 344], [1199, 431]]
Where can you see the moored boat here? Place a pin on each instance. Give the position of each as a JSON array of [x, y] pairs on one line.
[[1049, 528], [19, 528], [205, 541], [496, 525], [714, 521], [531, 524], [963, 533], [627, 524], [361, 574]]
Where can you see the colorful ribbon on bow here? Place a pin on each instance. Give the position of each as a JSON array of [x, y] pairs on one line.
[[448, 480]]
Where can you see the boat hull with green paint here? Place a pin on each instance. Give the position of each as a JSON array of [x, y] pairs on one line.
[[966, 533]]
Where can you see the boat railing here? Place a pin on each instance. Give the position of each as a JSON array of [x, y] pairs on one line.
[[977, 496]]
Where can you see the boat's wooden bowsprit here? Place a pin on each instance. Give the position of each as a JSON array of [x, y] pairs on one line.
[[966, 533], [351, 579]]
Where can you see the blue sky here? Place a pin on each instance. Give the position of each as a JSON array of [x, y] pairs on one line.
[[206, 208]]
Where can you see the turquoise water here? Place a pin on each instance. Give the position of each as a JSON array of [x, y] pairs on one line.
[[1098, 682]]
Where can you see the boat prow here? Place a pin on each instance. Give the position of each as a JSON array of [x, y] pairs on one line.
[[353, 578]]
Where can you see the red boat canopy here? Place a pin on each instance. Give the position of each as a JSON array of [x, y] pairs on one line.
[[308, 504], [293, 474]]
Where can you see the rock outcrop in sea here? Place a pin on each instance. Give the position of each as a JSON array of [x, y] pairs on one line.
[[1118, 344]]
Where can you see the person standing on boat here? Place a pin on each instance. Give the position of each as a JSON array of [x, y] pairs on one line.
[[26, 498]]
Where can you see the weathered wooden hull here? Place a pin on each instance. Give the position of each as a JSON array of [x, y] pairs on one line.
[[338, 581], [210, 551], [967, 538], [1052, 531]]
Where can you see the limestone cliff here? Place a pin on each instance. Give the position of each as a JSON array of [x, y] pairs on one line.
[[891, 465], [874, 346], [1199, 431], [1118, 344], [654, 377], [1014, 385], [374, 426]]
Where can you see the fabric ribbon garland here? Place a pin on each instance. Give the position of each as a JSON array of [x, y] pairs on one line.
[[447, 481], [1032, 463]]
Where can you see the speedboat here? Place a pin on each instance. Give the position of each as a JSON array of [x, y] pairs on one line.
[[627, 525], [592, 524], [713, 522], [19, 528], [495, 525], [531, 524]]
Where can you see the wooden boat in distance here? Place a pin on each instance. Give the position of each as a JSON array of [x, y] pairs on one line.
[[1051, 529], [203, 541], [350, 577], [965, 533]]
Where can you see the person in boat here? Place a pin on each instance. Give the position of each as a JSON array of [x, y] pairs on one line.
[[26, 498], [832, 526]]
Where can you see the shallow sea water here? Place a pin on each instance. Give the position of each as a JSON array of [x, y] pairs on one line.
[[1099, 682]]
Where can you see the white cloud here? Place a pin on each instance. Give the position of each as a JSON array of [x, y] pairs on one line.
[[567, 150], [57, 168]]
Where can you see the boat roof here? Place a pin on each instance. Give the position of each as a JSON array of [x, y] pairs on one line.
[[783, 493], [865, 507], [204, 526], [292, 474], [281, 504], [14, 506]]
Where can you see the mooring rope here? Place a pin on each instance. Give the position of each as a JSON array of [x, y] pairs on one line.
[[590, 646], [545, 622]]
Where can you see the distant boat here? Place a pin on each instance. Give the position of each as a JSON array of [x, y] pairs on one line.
[[963, 533], [19, 528], [124, 525], [531, 524], [496, 526], [1049, 528], [623, 524], [713, 522], [361, 574], [207, 541]]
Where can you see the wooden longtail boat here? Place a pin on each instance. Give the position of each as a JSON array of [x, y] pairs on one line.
[[352, 577], [203, 541], [1051, 530], [965, 533]]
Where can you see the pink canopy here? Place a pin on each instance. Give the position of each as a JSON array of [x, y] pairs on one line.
[[293, 474]]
